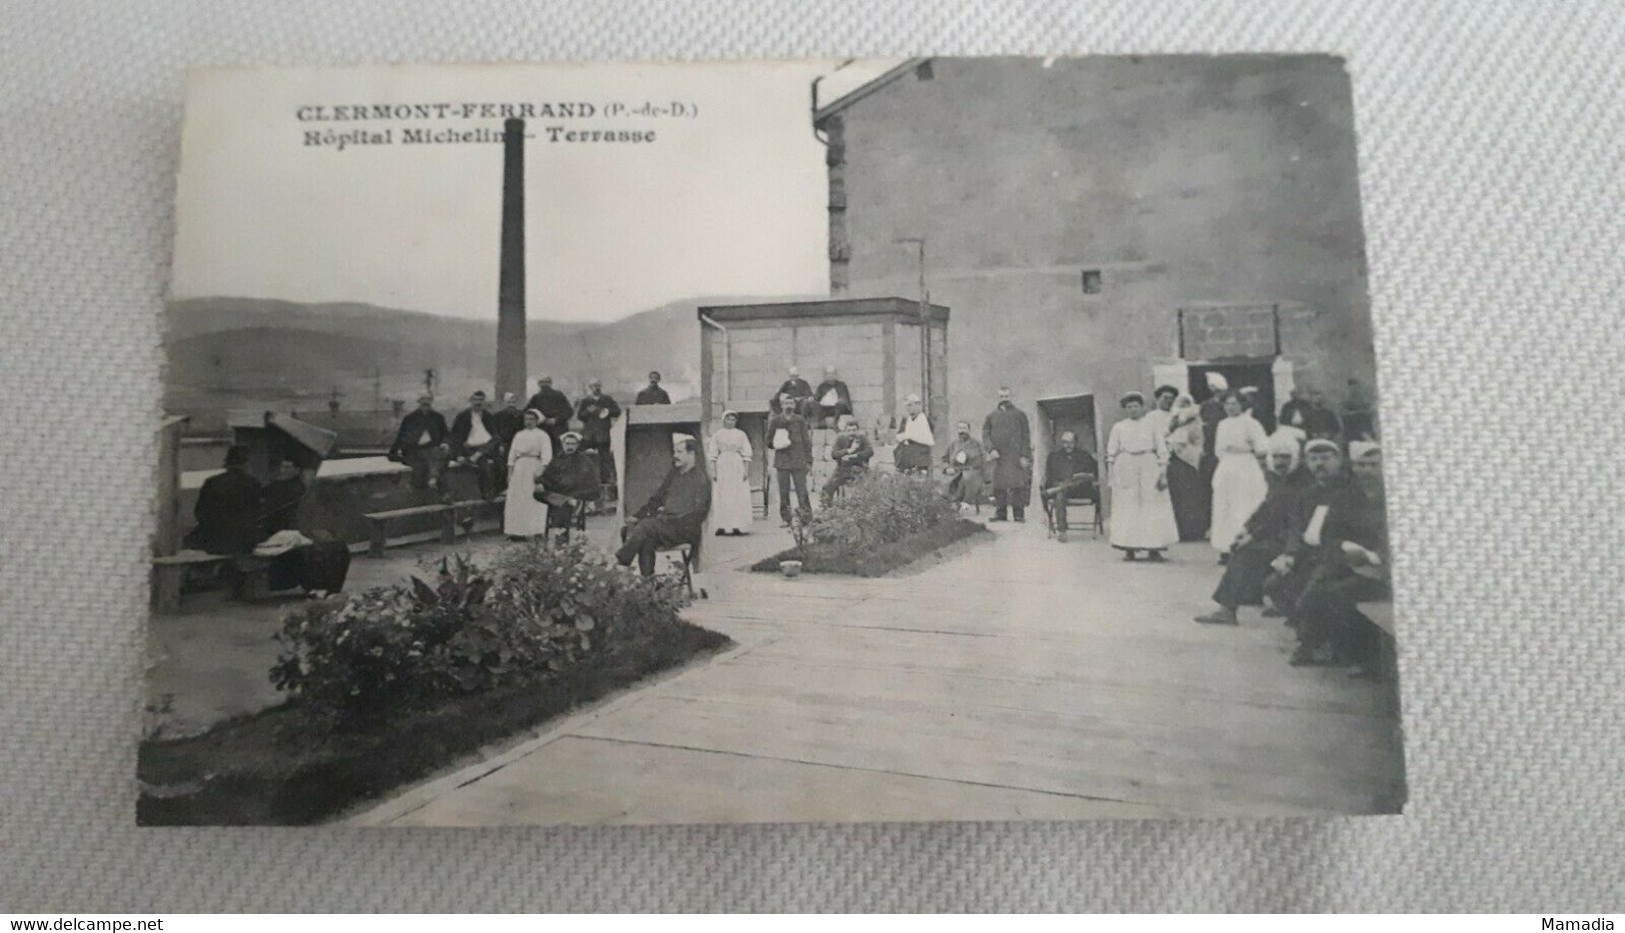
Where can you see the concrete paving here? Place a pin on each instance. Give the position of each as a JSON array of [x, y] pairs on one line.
[[1021, 679]]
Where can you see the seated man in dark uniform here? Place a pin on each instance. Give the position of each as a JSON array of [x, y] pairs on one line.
[[421, 444], [570, 479], [1352, 568], [800, 393], [851, 453], [1068, 471], [230, 509], [1265, 535], [1333, 491], [674, 515], [832, 399], [474, 442]]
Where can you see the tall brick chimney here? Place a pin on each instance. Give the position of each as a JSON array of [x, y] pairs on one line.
[[511, 284]]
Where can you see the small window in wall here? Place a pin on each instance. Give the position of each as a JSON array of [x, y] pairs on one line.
[[1091, 281]]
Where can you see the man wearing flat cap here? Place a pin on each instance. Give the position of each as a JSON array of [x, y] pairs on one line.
[[1332, 490], [1007, 437], [420, 443]]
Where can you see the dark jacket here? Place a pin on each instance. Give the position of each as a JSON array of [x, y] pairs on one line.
[[795, 387], [574, 475], [596, 415], [684, 497], [852, 450], [506, 423], [1060, 466], [1315, 420], [1274, 517], [652, 395], [411, 430], [555, 409], [798, 456], [1007, 430], [230, 514], [1341, 497], [463, 425], [843, 396]]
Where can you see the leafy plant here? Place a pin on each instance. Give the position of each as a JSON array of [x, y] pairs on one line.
[[537, 610], [878, 509]]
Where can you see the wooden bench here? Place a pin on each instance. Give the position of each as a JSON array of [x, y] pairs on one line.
[[169, 575], [450, 515], [378, 524]]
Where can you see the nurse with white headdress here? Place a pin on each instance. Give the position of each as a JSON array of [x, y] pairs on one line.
[[1238, 480], [730, 458], [528, 456]]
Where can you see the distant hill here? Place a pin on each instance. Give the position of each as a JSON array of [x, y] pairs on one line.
[[246, 352]]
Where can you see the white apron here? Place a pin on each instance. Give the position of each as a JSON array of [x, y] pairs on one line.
[[730, 462], [522, 515], [1238, 482], [1142, 516]]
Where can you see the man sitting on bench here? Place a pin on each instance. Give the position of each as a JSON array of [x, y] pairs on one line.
[[1354, 569], [230, 509], [675, 515]]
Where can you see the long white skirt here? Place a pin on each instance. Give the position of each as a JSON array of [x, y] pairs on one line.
[[522, 515], [1238, 488], [1142, 515], [730, 506]]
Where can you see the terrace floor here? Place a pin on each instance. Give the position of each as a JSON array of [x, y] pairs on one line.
[[1019, 679]]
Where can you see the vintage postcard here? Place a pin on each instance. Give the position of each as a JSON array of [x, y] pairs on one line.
[[877, 440]]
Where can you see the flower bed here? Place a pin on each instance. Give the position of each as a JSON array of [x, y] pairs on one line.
[[395, 683], [884, 522]]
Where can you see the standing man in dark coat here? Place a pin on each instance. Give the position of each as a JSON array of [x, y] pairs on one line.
[[674, 515], [509, 421], [230, 509], [798, 390], [794, 458], [1007, 437], [597, 412], [832, 397], [421, 444], [652, 394], [555, 409]]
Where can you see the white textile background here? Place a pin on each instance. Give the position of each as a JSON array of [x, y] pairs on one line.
[[1491, 167]]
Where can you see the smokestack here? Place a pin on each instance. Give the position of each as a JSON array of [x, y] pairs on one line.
[[511, 286]]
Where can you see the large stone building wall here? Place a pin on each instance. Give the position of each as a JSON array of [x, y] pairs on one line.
[[1220, 186]]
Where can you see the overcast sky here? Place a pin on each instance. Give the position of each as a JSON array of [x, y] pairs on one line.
[[731, 202]]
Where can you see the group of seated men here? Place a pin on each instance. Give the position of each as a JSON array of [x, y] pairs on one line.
[[478, 438], [824, 405], [1313, 550], [239, 516]]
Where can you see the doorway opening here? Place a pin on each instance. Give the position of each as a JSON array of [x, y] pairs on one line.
[[1240, 374], [1075, 413]]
